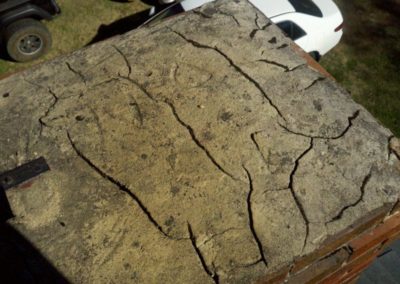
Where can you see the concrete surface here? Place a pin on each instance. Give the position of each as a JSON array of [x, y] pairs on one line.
[[198, 150]]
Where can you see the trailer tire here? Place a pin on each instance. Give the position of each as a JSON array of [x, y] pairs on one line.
[[27, 39]]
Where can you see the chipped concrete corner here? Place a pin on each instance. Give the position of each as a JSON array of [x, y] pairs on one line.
[[198, 150]]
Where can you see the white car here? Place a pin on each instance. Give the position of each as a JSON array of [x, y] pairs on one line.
[[314, 25]]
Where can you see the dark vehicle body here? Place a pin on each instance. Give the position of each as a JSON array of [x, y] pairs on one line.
[[24, 36]]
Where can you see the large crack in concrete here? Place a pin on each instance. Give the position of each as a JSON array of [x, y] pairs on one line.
[[314, 82], [253, 139], [342, 134], [196, 140], [208, 16], [356, 202], [49, 109], [257, 85], [47, 112], [261, 90], [294, 195], [296, 67], [128, 77], [277, 64], [238, 69], [259, 28], [189, 129], [121, 187], [251, 218], [391, 150], [76, 72], [125, 59], [140, 87], [256, 18], [274, 63], [230, 16], [213, 274], [235, 66], [283, 45]]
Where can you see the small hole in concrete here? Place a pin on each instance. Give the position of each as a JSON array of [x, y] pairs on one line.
[[79, 117], [62, 224], [272, 40], [6, 95]]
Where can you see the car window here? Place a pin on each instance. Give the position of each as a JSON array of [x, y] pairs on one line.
[[306, 7], [291, 29], [172, 10]]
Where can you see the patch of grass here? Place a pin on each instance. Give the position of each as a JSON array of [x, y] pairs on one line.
[[77, 25], [367, 61]]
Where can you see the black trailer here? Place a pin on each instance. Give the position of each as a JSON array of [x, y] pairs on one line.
[[23, 35]]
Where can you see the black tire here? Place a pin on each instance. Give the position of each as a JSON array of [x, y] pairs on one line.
[[315, 55], [27, 39]]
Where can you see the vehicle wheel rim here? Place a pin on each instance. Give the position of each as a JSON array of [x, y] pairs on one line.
[[30, 44]]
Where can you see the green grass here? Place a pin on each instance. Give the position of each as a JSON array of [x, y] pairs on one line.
[[77, 26], [367, 61]]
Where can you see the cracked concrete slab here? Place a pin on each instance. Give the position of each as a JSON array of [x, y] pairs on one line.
[[201, 149]]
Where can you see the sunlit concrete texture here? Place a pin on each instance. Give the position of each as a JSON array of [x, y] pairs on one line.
[[201, 149]]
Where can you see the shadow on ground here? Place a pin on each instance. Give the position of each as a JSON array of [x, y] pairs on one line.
[[125, 24], [21, 262], [120, 26]]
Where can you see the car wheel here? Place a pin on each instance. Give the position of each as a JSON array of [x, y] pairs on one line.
[[26, 40], [315, 55]]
